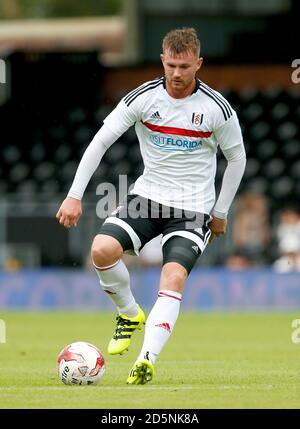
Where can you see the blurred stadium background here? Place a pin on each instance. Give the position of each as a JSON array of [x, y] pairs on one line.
[[66, 64]]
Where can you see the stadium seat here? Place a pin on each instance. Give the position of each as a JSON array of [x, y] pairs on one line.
[[274, 168], [11, 154], [19, 172], [291, 149], [280, 111], [37, 153], [287, 130], [44, 171]]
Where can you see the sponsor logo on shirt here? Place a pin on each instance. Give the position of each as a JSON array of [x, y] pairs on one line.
[[175, 144]]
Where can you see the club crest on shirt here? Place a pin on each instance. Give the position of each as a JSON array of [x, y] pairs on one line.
[[197, 118]]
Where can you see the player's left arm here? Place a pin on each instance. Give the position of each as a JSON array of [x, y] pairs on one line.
[[230, 140]]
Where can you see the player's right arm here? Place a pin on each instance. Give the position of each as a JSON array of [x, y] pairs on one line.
[[116, 123], [71, 208]]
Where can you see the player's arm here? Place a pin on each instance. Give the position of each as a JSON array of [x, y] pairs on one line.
[[116, 123], [230, 139], [70, 209]]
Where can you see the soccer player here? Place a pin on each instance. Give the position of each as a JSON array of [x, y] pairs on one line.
[[180, 122]]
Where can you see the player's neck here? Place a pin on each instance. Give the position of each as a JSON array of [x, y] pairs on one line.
[[181, 93]]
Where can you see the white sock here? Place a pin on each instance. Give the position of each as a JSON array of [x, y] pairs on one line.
[[115, 281], [160, 324]]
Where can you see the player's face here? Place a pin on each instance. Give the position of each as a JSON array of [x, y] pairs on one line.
[[180, 71]]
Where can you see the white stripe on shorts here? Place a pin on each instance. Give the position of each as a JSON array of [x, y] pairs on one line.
[[132, 234], [186, 234]]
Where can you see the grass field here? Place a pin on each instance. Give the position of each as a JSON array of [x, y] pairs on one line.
[[211, 361]]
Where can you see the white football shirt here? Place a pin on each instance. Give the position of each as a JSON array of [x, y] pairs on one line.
[[178, 139]]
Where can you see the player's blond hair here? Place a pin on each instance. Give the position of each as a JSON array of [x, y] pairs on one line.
[[182, 40]]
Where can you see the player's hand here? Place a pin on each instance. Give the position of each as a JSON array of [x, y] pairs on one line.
[[217, 227], [69, 212]]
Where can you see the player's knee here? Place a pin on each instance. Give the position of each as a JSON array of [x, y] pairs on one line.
[[105, 250], [174, 275]]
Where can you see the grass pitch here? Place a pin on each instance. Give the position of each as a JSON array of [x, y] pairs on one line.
[[211, 361]]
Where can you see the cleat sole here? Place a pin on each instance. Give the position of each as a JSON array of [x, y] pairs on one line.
[[141, 373]]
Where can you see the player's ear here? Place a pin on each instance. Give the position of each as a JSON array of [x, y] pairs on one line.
[[162, 57], [199, 63]]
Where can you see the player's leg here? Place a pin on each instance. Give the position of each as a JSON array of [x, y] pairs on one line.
[[119, 233], [113, 274], [160, 322], [179, 256], [107, 249]]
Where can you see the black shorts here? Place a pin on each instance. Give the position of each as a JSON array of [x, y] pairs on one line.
[[137, 220]]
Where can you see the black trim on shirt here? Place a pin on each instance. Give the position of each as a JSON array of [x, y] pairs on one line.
[[222, 103], [129, 98]]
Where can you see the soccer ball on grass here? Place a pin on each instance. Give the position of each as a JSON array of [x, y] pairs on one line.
[[80, 363]]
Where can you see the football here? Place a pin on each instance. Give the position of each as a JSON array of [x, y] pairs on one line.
[[80, 363]]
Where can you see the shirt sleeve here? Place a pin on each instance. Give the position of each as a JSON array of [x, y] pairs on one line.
[[115, 124], [122, 117], [230, 140], [90, 160], [229, 134]]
